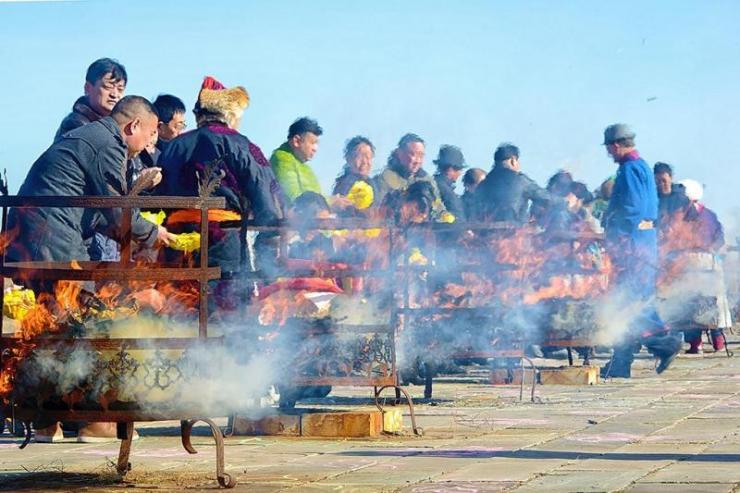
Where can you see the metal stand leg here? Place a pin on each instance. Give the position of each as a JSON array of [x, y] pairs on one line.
[[534, 379], [125, 432], [230, 426], [570, 355], [27, 439], [727, 347], [589, 354], [417, 430], [429, 370], [186, 427]]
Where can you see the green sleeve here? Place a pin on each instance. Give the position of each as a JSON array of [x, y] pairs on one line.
[[286, 175]]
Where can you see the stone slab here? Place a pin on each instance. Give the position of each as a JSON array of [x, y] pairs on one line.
[[353, 424], [275, 424], [570, 375]]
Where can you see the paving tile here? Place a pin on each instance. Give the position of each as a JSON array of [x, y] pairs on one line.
[[460, 487], [501, 469], [641, 487], [701, 471], [580, 481]]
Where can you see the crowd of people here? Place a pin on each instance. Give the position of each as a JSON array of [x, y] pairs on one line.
[[111, 142]]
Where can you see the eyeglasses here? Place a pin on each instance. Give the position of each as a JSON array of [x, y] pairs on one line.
[[111, 86]]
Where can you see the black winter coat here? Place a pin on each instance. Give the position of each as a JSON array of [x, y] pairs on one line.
[[450, 199], [81, 114], [505, 195], [90, 160], [249, 184]]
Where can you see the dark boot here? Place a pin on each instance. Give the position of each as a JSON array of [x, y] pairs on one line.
[[695, 346], [620, 366], [693, 338], [665, 348]]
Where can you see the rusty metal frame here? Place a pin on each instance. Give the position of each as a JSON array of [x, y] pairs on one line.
[[493, 352], [378, 384], [124, 270]]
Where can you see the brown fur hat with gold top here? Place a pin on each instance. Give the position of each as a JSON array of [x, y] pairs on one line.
[[217, 103]]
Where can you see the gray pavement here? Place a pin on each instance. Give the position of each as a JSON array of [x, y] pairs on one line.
[[675, 432]]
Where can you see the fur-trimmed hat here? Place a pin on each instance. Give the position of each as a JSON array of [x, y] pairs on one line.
[[214, 99]]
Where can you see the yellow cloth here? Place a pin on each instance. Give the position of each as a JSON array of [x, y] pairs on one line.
[[18, 302], [153, 218], [186, 242], [361, 194], [446, 217], [417, 258]]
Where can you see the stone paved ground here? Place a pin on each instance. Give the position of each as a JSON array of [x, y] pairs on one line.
[[676, 432]]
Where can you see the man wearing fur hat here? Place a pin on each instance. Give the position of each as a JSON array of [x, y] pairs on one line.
[[216, 146], [632, 243]]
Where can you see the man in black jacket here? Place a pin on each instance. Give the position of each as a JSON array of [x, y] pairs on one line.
[[89, 160], [671, 196], [506, 193], [105, 83], [450, 163]]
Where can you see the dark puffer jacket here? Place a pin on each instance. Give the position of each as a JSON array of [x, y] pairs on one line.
[[450, 199], [81, 114], [505, 195], [249, 185], [90, 160]]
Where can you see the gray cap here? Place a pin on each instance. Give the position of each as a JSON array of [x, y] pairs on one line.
[[616, 132], [451, 156]]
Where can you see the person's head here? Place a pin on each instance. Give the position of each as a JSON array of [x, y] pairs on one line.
[[560, 183], [311, 205], [137, 119], [105, 83], [507, 156], [450, 162], [472, 178], [415, 203], [217, 104], [410, 153], [619, 140], [663, 173], [358, 154], [171, 111], [303, 138], [577, 195], [606, 188]]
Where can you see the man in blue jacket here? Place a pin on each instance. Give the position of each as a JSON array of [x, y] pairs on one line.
[[632, 243]]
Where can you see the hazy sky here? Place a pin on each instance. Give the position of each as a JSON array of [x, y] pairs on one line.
[[547, 76]]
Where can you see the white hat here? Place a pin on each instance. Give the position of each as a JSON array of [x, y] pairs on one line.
[[694, 189]]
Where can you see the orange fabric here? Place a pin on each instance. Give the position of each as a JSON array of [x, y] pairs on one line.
[[193, 216], [315, 284]]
